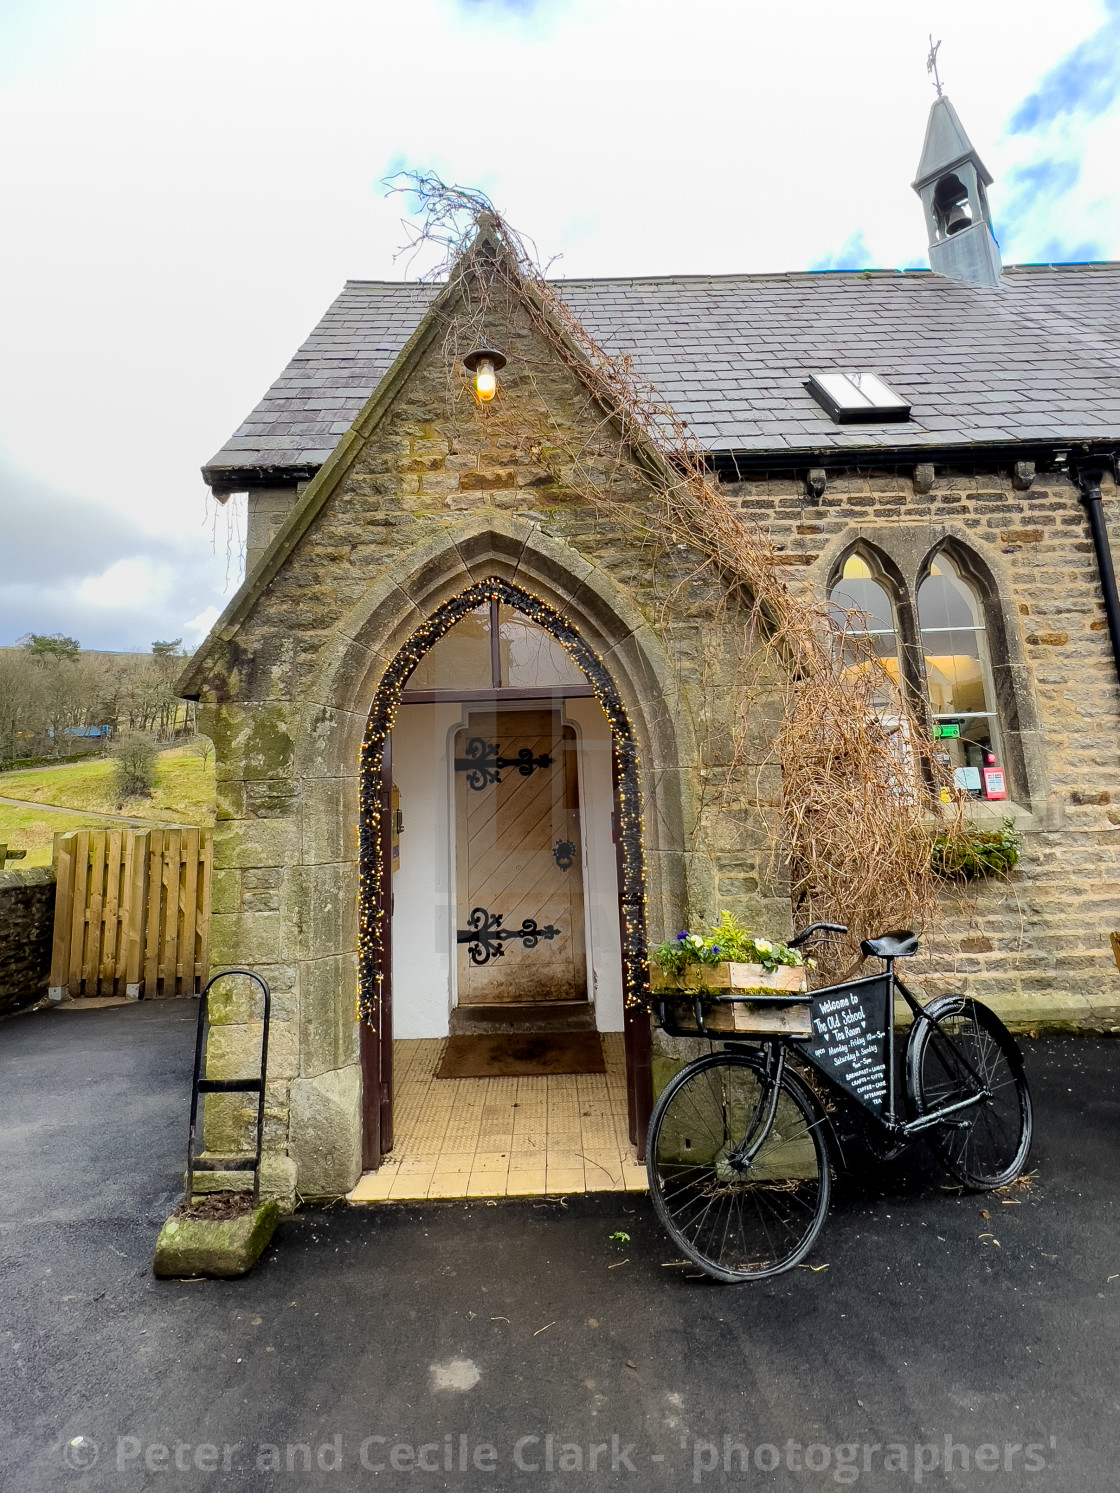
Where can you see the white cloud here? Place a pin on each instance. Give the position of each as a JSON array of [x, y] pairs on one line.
[[78, 565], [127, 584], [196, 629], [1059, 148], [192, 184]]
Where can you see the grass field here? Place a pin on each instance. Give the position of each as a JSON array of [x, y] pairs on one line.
[[184, 794]]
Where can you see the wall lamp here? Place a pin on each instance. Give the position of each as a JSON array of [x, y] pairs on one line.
[[484, 364]]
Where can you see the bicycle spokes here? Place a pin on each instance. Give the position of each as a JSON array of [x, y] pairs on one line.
[[970, 1052], [738, 1170]]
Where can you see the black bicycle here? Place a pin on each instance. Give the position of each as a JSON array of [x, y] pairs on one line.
[[738, 1149]]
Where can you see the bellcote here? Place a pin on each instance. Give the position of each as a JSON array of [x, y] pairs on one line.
[[951, 182]]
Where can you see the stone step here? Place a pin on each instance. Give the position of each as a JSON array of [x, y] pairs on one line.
[[517, 1017]]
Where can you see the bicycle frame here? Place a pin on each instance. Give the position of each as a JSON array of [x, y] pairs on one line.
[[768, 1099], [907, 1128], [777, 1046]]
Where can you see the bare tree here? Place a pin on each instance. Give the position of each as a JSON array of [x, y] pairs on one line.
[[56, 700]]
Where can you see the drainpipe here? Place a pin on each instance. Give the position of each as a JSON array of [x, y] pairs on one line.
[[1090, 483]]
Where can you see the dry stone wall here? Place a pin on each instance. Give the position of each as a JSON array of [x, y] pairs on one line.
[[26, 926]]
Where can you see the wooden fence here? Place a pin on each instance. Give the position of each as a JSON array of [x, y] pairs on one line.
[[132, 912]]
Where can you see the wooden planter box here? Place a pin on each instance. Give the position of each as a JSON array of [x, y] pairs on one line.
[[735, 979]]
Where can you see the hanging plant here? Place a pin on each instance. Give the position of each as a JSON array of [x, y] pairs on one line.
[[975, 852]]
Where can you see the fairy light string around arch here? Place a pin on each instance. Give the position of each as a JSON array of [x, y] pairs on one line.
[[372, 826]]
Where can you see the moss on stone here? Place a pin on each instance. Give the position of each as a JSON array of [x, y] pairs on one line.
[[219, 1247]]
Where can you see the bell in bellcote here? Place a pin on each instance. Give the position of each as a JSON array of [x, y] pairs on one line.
[[950, 205]]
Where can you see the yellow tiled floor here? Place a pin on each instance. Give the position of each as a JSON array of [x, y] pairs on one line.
[[504, 1137]]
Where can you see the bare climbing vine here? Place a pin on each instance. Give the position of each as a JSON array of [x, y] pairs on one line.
[[791, 698]]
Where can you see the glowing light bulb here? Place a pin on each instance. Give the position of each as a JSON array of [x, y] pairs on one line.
[[485, 380]]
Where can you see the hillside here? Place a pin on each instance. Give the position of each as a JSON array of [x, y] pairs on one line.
[[184, 794]]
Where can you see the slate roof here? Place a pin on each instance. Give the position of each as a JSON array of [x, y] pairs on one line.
[[1036, 360]]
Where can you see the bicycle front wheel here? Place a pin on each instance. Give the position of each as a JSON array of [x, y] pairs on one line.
[[739, 1216], [986, 1145]]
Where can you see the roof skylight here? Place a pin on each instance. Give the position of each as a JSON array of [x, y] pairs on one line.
[[852, 397]]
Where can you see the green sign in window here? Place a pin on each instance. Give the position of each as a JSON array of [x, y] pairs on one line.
[[951, 730]]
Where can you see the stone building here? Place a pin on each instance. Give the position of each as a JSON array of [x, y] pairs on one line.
[[459, 714]]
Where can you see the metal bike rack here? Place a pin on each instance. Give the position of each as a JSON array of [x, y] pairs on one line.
[[227, 1086]]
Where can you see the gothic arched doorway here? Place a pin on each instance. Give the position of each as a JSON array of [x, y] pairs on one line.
[[496, 656]]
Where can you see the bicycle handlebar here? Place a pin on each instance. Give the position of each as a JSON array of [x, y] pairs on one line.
[[815, 928]]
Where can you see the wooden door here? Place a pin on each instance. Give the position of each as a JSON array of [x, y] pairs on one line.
[[519, 860]]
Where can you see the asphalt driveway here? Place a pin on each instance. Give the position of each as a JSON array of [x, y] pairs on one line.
[[474, 1346]]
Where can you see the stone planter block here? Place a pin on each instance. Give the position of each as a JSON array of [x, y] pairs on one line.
[[223, 1247]]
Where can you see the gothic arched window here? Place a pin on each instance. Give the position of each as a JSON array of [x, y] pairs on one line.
[[496, 647], [933, 644], [863, 609], [958, 672]]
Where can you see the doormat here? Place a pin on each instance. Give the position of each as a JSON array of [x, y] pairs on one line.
[[482, 1055]]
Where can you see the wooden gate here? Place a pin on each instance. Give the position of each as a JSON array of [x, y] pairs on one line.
[[132, 912]]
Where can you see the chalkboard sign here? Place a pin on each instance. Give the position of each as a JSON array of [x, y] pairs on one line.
[[849, 1041]]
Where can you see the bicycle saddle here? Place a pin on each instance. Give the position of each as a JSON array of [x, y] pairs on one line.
[[901, 944]]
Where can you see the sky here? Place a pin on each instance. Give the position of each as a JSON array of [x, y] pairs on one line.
[[186, 188]]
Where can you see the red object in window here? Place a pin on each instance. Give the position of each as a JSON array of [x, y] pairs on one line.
[[995, 784]]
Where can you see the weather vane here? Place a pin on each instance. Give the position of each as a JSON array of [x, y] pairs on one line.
[[931, 63]]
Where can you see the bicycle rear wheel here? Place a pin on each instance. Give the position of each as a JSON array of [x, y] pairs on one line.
[[738, 1220], [985, 1146]]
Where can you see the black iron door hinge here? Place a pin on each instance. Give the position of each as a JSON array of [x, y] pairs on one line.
[[482, 764], [486, 938]]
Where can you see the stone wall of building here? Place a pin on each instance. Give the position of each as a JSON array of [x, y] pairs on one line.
[[1036, 944], [266, 511], [431, 494], [26, 927]]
